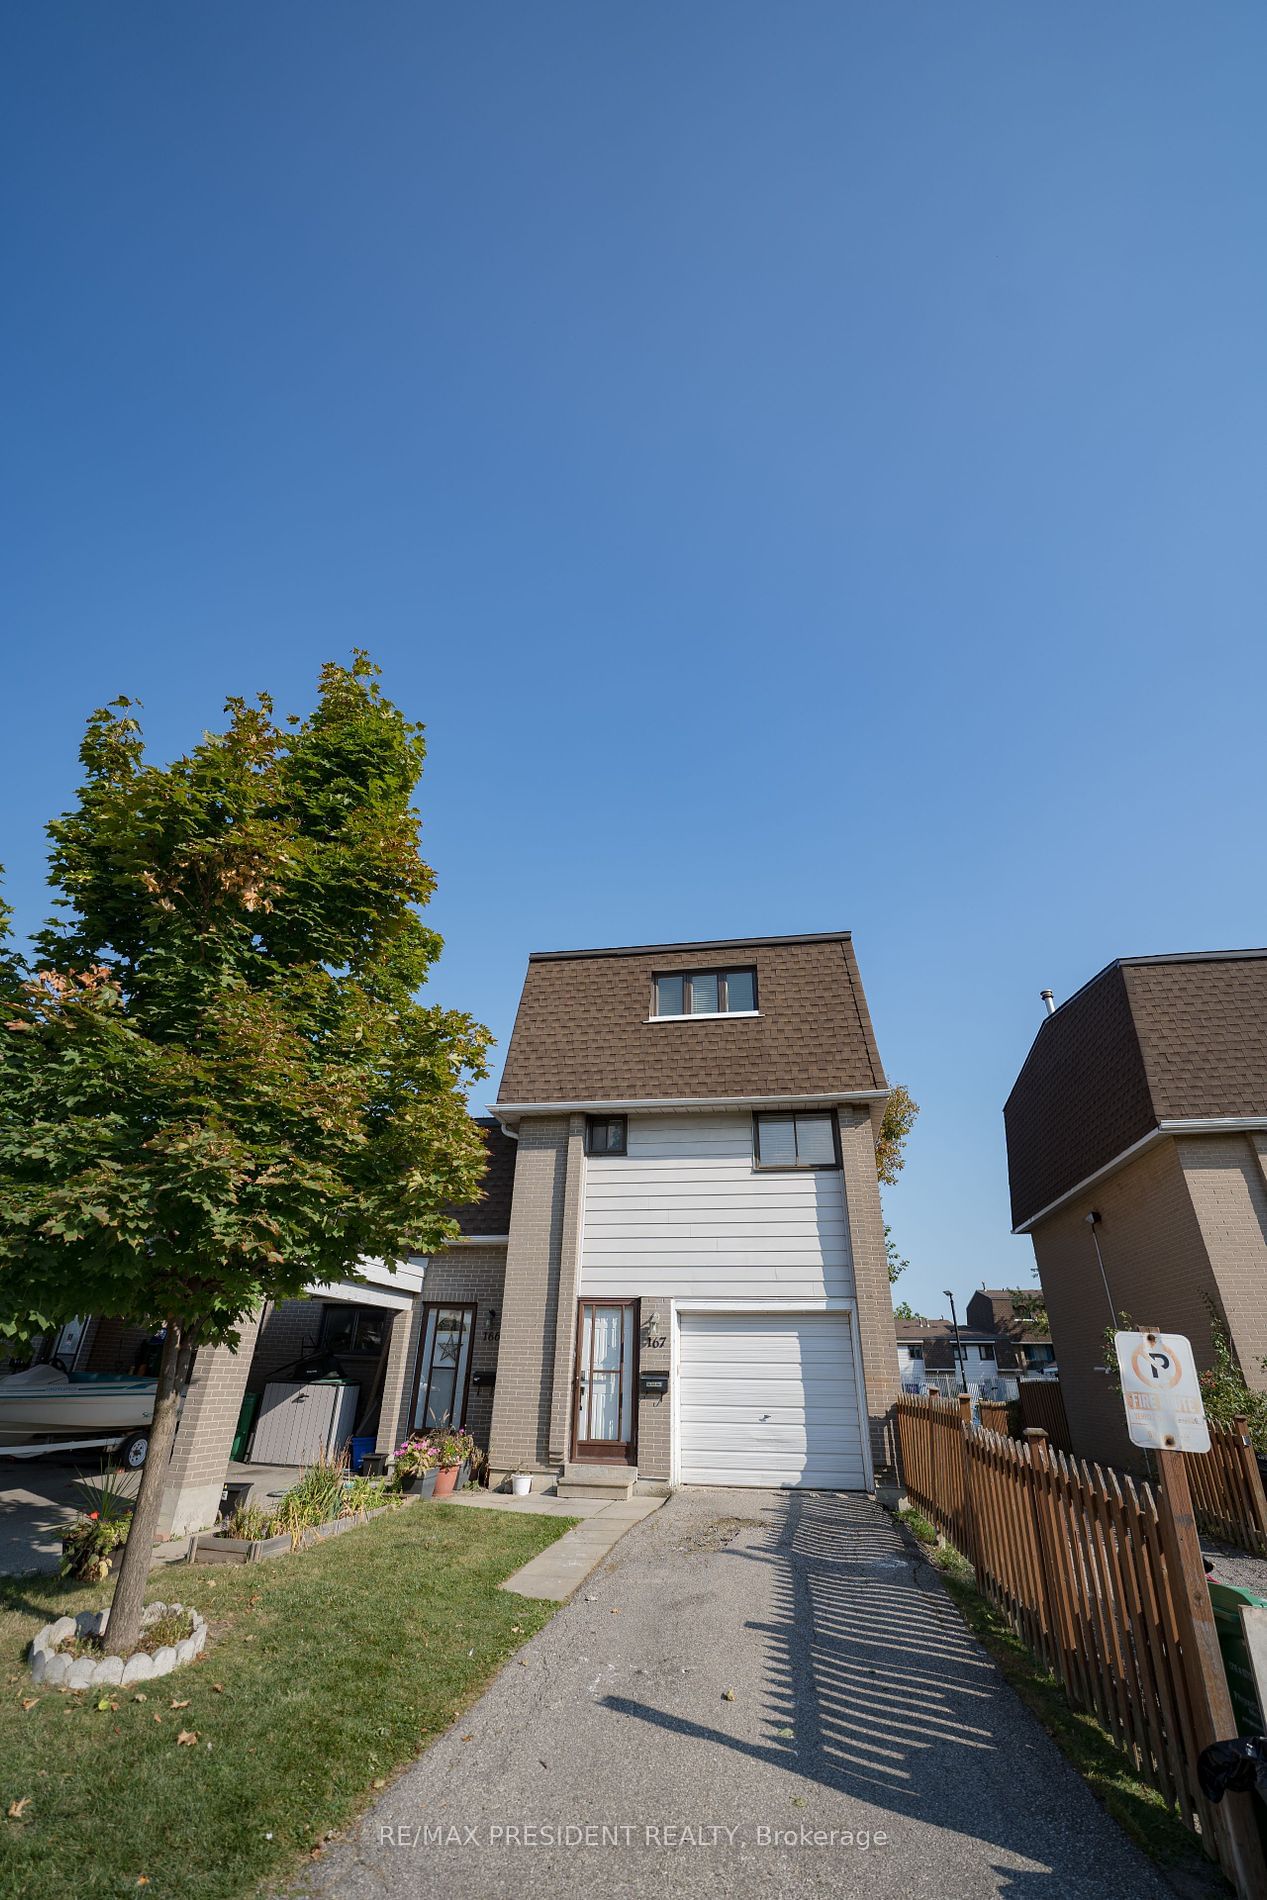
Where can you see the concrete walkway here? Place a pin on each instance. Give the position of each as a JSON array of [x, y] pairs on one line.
[[756, 1694], [558, 1571]]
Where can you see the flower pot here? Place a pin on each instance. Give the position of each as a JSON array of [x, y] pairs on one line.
[[422, 1484], [446, 1477], [521, 1484]]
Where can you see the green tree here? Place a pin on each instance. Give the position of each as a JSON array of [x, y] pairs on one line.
[[217, 1085], [906, 1311], [900, 1112], [890, 1158], [1030, 1309]]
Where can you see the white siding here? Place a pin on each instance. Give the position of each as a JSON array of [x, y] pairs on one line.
[[769, 1399], [685, 1215]]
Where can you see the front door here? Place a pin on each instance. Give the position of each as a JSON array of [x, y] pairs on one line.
[[607, 1339]]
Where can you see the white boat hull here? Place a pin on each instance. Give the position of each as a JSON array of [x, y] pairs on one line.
[[44, 1401]]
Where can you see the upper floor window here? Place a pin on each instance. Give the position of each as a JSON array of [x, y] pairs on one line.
[[605, 1135], [706, 993], [795, 1141]]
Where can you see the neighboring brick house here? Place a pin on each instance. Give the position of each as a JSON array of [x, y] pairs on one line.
[[443, 1359], [1137, 1150], [696, 1287], [1021, 1348], [419, 1337]]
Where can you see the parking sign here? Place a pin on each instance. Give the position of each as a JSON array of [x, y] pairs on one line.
[[1163, 1403]]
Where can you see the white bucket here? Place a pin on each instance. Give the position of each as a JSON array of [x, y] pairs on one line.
[[521, 1484]]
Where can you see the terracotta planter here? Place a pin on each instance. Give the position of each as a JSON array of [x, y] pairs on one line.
[[446, 1478]]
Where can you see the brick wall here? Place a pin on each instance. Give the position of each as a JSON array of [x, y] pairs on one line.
[[1228, 1189], [1159, 1273], [565, 1301], [865, 1219], [398, 1380], [204, 1436], [291, 1330], [526, 1365], [465, 1275], [655, 1415]]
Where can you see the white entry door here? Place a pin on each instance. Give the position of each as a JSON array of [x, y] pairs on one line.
[[769, 1399]]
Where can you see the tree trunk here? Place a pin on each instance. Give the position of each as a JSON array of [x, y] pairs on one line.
[[134, 1571]]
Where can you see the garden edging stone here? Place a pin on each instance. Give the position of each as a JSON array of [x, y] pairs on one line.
[[56, 1670]]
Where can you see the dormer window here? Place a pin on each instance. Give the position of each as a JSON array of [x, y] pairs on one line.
[[706, 993]]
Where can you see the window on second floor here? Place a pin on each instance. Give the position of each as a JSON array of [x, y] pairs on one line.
[[795, 1141], [706, 993], [605, 1135]]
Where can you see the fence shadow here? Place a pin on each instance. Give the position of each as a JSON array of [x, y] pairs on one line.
[[888, 1699]]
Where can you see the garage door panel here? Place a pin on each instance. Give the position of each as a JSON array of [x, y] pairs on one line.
[[768, 1399]]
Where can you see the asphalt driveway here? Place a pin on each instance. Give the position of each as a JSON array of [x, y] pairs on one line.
[[758, 1694]]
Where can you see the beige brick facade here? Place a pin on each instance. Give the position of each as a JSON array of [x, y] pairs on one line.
[[1228, 1189], [1158, 1266], [204, 1437], [400, 1376], [565, 1305], [872, 1290], [655, 1413], [523, 1402]]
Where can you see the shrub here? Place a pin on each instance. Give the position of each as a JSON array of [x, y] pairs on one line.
[[1225, 1391], [249, 1521], [362, 1495], [314, 1499]]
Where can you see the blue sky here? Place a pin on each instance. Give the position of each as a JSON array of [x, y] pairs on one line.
[[805, 464]]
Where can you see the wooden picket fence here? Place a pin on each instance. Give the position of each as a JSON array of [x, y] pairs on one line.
[[1227, 1490], [992, 1415], [1092, 1574], [1042, 1404]]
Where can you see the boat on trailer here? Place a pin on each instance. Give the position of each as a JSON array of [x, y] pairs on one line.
[[47, 1402]]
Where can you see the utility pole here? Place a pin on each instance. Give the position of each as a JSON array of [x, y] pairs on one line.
[[959, 1352]]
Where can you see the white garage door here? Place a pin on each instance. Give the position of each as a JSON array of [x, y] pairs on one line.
[[769, 1399]]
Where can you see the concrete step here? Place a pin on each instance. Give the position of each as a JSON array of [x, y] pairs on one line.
[[596, 1481]]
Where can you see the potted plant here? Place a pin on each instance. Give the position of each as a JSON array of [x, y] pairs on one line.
[[452, 1450], [416, 1462]]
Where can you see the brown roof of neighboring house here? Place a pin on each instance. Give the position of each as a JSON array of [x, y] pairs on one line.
[[995, 1309], [491, 1213], [582, 1032], [1147, 1040]]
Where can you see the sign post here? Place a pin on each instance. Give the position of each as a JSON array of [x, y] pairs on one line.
[[1164, 1412]]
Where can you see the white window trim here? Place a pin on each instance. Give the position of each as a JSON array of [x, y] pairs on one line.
[[705, 1016]]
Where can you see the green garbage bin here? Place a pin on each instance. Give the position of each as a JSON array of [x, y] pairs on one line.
[[246, 1425], [1226, 1600]]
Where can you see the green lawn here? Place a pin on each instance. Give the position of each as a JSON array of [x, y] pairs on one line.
[[324, 1673]]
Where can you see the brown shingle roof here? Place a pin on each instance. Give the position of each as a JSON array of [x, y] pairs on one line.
[[582, 1034], [1150, 1039], [491, 1213]]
